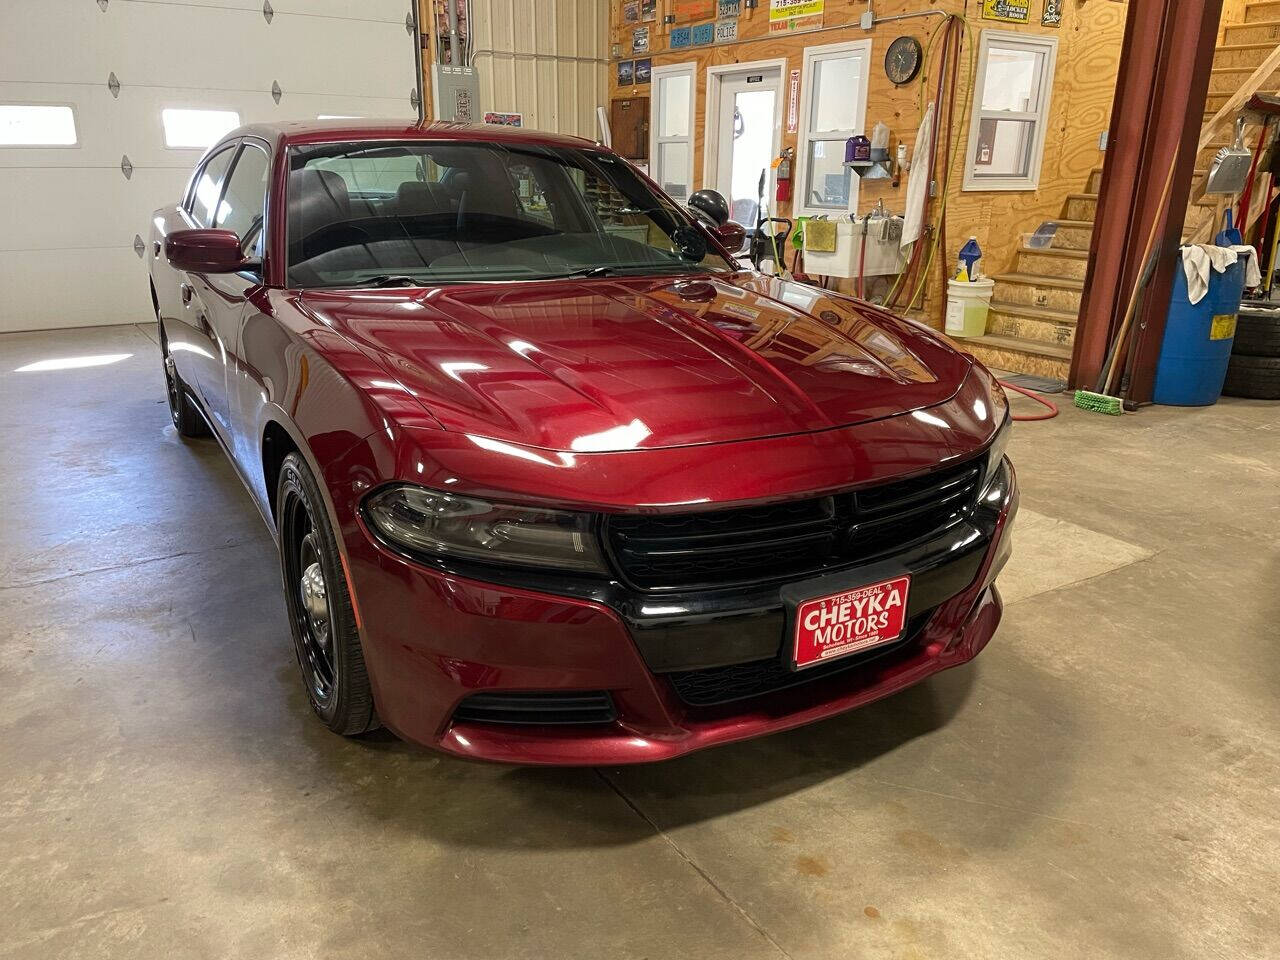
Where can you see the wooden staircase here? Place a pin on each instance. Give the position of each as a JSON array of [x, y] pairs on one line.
[[1034, 308], [1032, 323]]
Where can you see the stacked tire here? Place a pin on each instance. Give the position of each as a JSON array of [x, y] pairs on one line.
[[1254, 370]]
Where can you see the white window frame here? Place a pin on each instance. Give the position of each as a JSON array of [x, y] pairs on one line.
[[805, 136], [690, 68], [1041, 44]]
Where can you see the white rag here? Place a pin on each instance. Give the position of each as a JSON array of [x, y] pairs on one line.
[[1199, 258], [918, 180]]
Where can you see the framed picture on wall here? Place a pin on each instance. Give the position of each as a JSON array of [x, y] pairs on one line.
[[626, 73], [648, 10], [644, 70], [640, 40], [631, 11]]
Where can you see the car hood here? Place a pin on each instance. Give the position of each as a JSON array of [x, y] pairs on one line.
[[607, 365]]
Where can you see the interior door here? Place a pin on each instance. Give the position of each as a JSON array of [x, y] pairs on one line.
[[240, 208], [748, 140]]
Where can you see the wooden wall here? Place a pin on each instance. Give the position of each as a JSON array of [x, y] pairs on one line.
[[1088, 53]]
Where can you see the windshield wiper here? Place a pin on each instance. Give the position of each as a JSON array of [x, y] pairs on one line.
[[389, 280], [582, 272]]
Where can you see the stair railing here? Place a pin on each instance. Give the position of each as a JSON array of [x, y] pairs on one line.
[[1225, 118]]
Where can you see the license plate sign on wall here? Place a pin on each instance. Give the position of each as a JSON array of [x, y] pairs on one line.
[[1010, 11], [726, 31], [850, 621]]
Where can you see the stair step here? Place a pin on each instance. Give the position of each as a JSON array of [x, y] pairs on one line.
[[1094, 181], [1040, 280], [1032, 290], [1018, 355], [1258, 32], [1035, 347], [1242, 54], [1054, 262], [1027, 323], [1077, 203], [1227, 80], [1050, 314], [1262, 11], [1072, 234]]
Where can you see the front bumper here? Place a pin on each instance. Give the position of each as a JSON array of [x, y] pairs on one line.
[[432, 637]]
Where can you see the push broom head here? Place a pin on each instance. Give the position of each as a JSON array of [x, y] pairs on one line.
[[1098, 403]]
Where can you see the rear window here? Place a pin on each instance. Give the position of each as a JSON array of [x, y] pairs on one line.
[[434, 212]]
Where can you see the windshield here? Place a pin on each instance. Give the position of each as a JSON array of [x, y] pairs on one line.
[[431, 212]]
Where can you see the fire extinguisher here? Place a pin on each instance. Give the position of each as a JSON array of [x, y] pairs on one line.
[[782, 192]]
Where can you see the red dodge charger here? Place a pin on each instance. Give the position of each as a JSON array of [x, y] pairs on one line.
[[554, 478]]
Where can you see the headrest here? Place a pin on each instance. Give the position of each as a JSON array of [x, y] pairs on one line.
[[417, 199], [317, 198]]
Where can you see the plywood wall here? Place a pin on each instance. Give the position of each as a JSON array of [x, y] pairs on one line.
[[1088, 52]]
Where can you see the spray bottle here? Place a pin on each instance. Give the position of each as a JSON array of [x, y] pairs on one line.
[[967, 265]]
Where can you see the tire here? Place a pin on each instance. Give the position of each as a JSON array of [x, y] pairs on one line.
[[1255, 377], [183, 411], [321, 617], [1257, 335]]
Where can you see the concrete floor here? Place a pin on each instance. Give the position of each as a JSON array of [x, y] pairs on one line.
[[1104, 781]]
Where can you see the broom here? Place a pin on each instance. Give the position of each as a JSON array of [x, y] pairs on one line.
[[1099, 400]]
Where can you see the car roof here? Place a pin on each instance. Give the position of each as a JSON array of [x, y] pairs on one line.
[[338, 131]]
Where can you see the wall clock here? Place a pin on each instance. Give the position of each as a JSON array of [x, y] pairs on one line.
[[902, 60]]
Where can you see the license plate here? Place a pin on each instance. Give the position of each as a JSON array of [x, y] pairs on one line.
[[851, 621]]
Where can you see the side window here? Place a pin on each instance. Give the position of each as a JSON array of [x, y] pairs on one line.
[[208, 185], [245, 198]]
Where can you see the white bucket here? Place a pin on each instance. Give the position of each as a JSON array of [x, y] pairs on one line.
[[967, 305]]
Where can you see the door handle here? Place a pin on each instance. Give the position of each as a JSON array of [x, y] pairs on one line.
[[187, 293]]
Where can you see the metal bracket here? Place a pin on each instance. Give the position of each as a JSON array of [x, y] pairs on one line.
[[102, 5], [408, 23], [113, 84], [414, 100], [126, 167], [276, 92], [267, 11], [138, 246]]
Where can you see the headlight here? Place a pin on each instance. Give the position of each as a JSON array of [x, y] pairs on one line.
[[428, 521], [995, 452]]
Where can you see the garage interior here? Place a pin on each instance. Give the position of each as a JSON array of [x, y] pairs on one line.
[[1102, 781]]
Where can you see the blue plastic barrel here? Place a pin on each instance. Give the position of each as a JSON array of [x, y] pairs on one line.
[[1197, 339]]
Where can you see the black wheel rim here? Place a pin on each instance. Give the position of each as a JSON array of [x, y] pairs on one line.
[[171, 388], [309, 602]]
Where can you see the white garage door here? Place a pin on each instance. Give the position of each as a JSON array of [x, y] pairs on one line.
[[85, 84]]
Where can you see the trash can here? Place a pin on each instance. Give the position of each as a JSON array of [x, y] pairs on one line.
[[967, 305], [1197, 339]]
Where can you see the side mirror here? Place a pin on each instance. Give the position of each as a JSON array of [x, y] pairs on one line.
[[732, 235], [205, 251]]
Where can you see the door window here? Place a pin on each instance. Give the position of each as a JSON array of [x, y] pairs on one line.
[[747, 140], [244, 200], [204, 196]]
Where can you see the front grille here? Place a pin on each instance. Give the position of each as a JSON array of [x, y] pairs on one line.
[[591, 706], [738, 681], [786, 540]]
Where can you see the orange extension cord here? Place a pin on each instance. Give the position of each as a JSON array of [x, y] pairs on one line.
[[1053, 408]]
